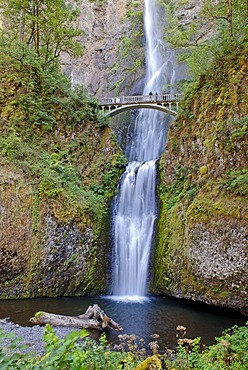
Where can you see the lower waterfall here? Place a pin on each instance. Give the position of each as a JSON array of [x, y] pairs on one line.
[[135, 214]]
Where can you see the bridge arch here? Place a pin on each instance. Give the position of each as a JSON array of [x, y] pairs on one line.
[[116, 109]]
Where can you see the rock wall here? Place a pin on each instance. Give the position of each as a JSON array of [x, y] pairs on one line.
[[202, 251], [113, 57], [54, 245]]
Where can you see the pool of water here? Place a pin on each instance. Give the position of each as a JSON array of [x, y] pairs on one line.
[[155, 315]]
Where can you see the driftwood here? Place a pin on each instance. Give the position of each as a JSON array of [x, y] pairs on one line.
[[93, 318]]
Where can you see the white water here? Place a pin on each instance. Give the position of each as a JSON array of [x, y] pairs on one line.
[[135, 208]]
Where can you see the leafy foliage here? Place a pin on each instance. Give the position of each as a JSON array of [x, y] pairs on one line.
[[236, 182], [32, 96], [230, 352], [33, 90], [218, 26], [78, 351], [180, 188], [45, 26], [48, 127]]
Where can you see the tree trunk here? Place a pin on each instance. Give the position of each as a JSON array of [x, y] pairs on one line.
[[229, 6], [21, 27], [94, 318]]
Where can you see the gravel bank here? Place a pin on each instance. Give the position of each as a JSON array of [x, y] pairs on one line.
[[32, 337]]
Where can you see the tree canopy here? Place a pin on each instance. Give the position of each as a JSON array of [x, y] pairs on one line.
[[215, 30], [46, 27]]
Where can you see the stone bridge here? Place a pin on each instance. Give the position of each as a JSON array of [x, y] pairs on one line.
[[167, 103]]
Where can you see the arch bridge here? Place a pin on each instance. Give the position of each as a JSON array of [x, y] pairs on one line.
[[167, 103]]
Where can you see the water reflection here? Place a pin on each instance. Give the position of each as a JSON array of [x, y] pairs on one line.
[[156, 315]]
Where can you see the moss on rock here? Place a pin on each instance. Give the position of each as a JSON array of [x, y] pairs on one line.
[[202, 250], [54, 212]]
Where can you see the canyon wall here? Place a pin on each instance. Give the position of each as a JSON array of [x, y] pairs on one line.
[[55, 236], [113, 41], [202, 251]]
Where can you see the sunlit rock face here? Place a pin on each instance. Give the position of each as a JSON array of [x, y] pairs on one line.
[[113, 47]]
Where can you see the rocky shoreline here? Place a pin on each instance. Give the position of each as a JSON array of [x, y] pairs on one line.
[[31, 337]]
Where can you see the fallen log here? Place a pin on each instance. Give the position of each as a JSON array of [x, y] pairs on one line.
[[94, 318]]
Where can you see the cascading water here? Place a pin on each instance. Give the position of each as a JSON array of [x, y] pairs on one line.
[[135, 207]]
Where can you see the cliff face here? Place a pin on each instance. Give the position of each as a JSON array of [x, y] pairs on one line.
[[202, 249], [56, 185], [113, 57], [53, 242]]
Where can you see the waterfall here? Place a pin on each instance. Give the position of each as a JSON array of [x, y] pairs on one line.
[[135, 208]]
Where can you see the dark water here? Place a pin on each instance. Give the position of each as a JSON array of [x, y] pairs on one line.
[[158, 315]]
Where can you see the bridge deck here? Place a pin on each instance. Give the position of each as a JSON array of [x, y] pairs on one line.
[[167, 103], [138, 99]]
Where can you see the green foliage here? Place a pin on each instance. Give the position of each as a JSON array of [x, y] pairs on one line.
[[47, 27], [236, 182], [76, 351], [114, 171], [241, 128], [47, 130], [33, 90], [111, 177], [62, 353], [215, 30], [55, 174], [230, 352], [180, 187], [33, 96], [12, 353]]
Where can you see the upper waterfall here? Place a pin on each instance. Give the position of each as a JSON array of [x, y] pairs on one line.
[[149, 131]]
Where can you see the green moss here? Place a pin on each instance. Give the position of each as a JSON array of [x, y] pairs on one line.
[[39, 314], [173, 273], [71, 174], [210, 203], [152, 362], [168, 259], [236, 182]]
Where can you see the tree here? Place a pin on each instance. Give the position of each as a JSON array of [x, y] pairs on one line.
[[217, 28], [229, 16], [47, 27], [33, 35]]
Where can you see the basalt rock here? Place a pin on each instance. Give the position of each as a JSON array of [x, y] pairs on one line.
[[113, 57], [202, 251], [54, 245]]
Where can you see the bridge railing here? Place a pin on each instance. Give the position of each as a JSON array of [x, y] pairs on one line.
[[155, 98]]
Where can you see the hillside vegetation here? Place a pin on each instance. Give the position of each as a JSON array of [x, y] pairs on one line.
[[59, 163], [202, 230]]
